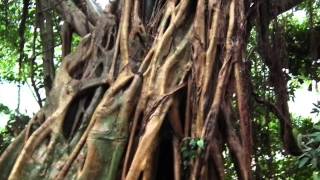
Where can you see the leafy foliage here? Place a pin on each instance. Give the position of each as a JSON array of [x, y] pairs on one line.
[[191, 147], [316, 109], [15, 125], [310, 145], [270, 161], [302, 43]]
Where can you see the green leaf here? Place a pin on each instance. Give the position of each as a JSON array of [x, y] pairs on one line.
[[200, 143], [315, 134], [192, 143], [303, 161], [317, 127], [316, 176], [317, 139]]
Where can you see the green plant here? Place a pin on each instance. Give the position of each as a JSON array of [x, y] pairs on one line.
[[190, 149], [316, 109], [310, 145], [16, 123]]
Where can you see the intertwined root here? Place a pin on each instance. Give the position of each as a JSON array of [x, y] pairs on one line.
[[113, 95]]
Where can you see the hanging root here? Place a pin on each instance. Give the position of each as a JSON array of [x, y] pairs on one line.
[[145, 82], [147, 143]]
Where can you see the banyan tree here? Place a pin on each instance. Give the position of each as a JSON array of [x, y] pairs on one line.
[[156, 89]]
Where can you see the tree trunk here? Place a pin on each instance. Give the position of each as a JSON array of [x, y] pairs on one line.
[[149, 90], [45, 20]]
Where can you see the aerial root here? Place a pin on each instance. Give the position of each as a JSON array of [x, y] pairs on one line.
[[105, 103], [224, 74], [147, 142], [217, 158], [209, 62], [35, 139], [177, 158], [124, 33]]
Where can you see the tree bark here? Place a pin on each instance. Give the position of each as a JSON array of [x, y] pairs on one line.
[[143, 82], [47, 39]]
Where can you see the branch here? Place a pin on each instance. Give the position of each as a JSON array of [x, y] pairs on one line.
[[74, 16], [33, 83], [47, 42], [289, 142], [273, 9], [32, 63], [275, 110], [21, 31], [278, 7], [93, 11]]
